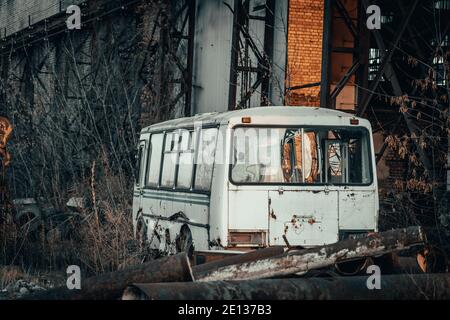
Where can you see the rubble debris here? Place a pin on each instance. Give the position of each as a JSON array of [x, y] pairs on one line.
[[34, 219], [24, 291], [23, 287], [110, 286], [28, 215], [297, 261], [76, 203], [20, 288], [393, 287]]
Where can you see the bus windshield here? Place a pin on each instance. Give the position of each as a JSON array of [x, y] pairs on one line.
[[303, 155]]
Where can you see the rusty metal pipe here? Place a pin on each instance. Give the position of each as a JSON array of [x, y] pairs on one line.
[[393, 287], [407, 265], [294, 262], [110, 286], [202, 269]]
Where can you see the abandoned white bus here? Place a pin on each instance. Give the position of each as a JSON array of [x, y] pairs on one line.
[[254, 178]]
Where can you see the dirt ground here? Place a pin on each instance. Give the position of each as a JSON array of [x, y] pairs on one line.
[[16, 282]]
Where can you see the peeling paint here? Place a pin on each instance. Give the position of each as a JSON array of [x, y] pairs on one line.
[[315, 258], [272, 215]]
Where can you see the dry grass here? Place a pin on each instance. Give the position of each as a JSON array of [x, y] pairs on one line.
[[9, 275], [100, 238]]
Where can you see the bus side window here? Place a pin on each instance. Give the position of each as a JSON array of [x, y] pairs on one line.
[[205, 159], [170, 154], [154, 159], [186, 160]]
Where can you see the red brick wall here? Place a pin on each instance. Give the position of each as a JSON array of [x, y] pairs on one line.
[[305, 27]]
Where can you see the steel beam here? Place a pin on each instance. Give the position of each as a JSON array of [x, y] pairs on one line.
[[303, 86], [237, 20], [347, 19], [383, 148], [241, 17], [341, 84], [326, 54], [190, 58], [363, 45], [387, 57], [268, 50], [394, 77], [390, 74]]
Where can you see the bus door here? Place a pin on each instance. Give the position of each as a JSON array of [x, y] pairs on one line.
[[139, 176]]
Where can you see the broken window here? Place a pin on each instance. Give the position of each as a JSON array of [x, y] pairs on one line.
[[205, 159], [139, 164], [336, 165], [177, 152], [170, 159], [154, 162], [186, 160], [301, 148], [301, 156]]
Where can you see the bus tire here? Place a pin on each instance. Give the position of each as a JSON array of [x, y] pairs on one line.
[[184, 242], [141, 232]]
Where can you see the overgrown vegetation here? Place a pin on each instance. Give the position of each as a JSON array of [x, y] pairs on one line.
[[77, 102], [99, 237], [419, 143]]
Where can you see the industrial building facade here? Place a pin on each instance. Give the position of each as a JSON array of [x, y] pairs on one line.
[[81, 96]]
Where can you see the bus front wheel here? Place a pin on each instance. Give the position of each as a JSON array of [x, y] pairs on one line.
[[141, 232], [184, 242]]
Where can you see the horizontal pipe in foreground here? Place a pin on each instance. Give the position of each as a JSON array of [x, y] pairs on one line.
[[318, 257], [393, 287], [110, 286]]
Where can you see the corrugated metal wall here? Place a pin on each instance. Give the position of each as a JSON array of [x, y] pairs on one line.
[[212, 57], [16, 15]]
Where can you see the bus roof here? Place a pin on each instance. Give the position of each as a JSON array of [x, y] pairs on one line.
[[280, 115]]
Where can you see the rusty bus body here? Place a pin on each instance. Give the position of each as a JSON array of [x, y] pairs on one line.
[[259, 177]]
